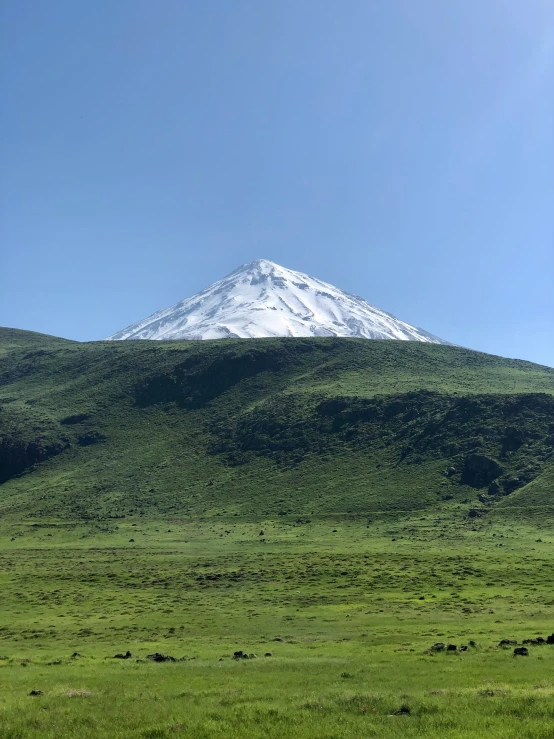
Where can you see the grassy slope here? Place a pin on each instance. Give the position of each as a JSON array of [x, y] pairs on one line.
[[201, 447], [265, 426]]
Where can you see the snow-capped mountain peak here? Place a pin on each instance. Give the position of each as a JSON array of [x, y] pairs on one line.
[[263, 299]]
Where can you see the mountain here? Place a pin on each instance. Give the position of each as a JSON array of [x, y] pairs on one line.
[[262, 299], [310, 426]]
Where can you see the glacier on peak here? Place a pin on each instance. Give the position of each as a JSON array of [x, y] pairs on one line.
[[263, 299]]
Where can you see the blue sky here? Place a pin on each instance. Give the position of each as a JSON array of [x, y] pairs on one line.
[[401, 150]]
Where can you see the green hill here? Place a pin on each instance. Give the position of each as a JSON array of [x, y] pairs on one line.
[[268, 427], [295, 528]]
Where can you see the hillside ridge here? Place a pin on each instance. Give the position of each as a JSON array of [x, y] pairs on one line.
[[265, 426]]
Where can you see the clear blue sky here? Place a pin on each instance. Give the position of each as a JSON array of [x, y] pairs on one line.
[[401, 150]]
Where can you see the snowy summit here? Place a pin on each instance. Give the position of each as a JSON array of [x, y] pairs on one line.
[[263, 299]]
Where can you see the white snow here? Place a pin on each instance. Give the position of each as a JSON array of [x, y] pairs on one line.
[[263, 299]]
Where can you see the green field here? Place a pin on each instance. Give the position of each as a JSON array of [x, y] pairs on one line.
[[330, 502]]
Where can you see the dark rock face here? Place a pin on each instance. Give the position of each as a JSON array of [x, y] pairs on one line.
[[511, 484], [77, 418], [480, 470], [90, 437], [521, 652], [494, 488], [514, 438], [17, 455], [198, 380], [418, 425]]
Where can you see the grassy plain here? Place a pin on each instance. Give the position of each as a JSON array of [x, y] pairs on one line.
[[347, 610]]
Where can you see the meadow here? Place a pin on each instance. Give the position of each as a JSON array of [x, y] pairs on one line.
[[347, 610]]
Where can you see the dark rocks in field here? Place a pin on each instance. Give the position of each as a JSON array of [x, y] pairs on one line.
[[480, 470], [157, 657], [507, 642], [36, 692], [403, 711], [452, 648], [438, 647], [521, 652], [127, 655], [477, 512], [550, 639]]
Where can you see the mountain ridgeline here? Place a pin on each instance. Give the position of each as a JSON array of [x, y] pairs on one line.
[[284, 426]]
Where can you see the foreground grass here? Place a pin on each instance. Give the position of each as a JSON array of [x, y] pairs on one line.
[[348, 611], [182, 498]]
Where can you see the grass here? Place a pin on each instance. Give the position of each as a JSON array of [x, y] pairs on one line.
[[262, 427], [318, 500], [354, 610]]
